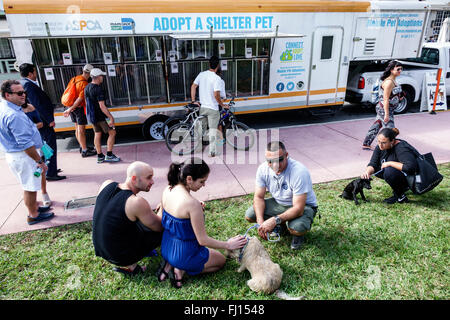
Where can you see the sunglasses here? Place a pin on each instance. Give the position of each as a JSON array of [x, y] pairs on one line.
[[278, 160], [19, 93], [399, 69]]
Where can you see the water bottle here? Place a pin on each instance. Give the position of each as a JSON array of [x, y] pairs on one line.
[[38, 171]]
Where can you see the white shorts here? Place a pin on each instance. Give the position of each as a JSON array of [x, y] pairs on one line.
[[24, 167]]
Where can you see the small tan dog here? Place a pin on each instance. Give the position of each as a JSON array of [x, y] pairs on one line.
[[266, 275]]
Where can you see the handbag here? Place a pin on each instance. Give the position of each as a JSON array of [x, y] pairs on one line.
[[427, 176]]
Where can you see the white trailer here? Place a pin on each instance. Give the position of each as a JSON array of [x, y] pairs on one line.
[[275, 55]]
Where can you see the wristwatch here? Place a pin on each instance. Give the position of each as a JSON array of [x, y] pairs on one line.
[[278, 220], [40, 161]]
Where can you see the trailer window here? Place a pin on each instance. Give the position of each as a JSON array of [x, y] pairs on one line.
[[111, 45], [60, 49], [6, 49], [146, 70], [77, 50], [141, 48], [245, 61], [94, 50], [42, 52], [327, 48]]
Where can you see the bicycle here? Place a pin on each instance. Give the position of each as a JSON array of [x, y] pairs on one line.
[[237, 134], [184, 137]]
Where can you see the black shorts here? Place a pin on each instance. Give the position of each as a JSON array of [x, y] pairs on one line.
[[78, 116]]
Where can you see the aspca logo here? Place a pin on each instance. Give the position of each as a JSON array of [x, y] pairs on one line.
[[81, 25], [124, 24]]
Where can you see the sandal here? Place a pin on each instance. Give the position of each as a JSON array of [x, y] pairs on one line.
[[176, 283], [137, 270], [161, 271]]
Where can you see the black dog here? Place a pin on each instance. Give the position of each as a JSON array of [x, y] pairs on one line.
[[355, 187]]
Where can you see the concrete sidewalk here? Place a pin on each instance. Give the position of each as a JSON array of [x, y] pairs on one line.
[[331, 151]]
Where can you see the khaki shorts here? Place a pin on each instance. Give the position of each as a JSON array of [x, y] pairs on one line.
[[23, 168], [273, 208], [101, 126]]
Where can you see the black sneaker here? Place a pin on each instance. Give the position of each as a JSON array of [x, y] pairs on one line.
[[88, 153], [101, 158], [89, 148], [402, 199], [395, 199], [391, 200], [297, 242]]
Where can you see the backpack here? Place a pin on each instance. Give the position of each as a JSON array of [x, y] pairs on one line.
[[375, 98], [70, 94]]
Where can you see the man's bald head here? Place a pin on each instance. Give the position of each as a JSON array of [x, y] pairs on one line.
[[143, 174], [138, 168]]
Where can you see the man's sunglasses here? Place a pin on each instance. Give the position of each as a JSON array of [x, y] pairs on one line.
[[280, 159], [19, 93]]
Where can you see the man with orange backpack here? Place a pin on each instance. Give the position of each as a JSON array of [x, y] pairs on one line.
[[73, 98]]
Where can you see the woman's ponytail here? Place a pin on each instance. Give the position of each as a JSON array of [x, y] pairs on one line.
[[174, 174], [194, 167]]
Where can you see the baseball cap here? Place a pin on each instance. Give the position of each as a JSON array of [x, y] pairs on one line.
[[97, 72], [88, 67]]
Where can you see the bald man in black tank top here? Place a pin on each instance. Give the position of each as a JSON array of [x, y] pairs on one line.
[[125, 229]]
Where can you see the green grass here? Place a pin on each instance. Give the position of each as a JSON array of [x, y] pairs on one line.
[[370, 251]]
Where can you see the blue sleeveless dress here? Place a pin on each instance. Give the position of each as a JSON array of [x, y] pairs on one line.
[[180, 247]]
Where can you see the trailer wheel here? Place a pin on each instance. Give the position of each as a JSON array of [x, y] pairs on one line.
[[406, 102], [152, 128]]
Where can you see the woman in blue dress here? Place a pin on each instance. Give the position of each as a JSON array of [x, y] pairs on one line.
[[185, 246]]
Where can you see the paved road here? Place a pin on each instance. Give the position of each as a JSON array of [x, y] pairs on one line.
[[256, 121]]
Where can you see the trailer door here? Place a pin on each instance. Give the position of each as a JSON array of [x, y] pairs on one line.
[[325, 65]]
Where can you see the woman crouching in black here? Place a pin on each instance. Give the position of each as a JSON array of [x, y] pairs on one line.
[[396, 159]]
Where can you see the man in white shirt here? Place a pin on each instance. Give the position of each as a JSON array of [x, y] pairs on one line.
[[209, 84], [293, 201]]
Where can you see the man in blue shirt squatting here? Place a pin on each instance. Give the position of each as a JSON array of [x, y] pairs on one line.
[[293, 201], [21, 141]]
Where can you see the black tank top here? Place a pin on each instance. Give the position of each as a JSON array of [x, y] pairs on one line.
[[113, 234]]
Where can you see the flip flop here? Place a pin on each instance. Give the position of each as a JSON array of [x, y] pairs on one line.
[[128, 272], [161, 271]]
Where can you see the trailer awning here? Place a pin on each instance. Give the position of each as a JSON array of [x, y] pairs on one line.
[[233, 35]]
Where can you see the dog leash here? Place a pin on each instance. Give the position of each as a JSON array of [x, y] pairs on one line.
[[374, 174], [256, 225], [275, 233]]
